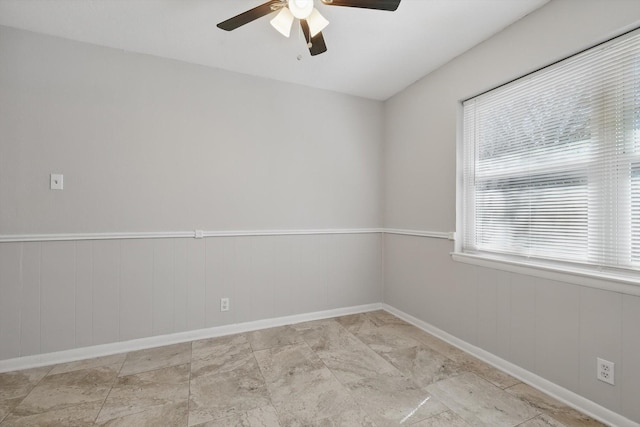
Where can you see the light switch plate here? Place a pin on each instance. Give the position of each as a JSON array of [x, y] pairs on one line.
[[57, 181]]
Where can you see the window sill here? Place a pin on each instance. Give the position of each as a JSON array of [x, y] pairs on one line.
[[614, 282]]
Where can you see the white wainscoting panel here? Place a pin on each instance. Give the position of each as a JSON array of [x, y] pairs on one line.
[[63, 295], [552, 329], [564, 395]]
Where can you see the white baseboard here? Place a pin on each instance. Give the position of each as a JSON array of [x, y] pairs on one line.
[[567, 397], [72, 355]]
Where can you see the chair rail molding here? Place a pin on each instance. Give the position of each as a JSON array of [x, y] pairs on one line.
[[199, 234]]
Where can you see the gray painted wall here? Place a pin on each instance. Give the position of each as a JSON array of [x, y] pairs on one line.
[[148, 144], [553, 329]]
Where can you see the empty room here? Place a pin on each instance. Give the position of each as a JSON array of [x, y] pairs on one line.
[[320, 213]]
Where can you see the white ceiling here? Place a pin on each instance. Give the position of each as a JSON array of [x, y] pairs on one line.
[[373, 54]]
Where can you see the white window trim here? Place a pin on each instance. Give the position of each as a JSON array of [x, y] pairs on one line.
[[614, 280], [628, 284], [607, 281]]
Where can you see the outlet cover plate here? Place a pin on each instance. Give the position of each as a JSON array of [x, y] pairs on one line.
[[606, 372]]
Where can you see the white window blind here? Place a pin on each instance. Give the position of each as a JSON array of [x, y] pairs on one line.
[[551, 162]]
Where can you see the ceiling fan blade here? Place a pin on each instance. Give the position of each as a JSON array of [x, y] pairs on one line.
[[317, 42], [248, 16], [390, 5]]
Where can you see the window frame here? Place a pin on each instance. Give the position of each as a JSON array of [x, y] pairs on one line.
[[612, 279]]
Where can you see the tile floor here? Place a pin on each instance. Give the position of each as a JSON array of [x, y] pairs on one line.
[[368, 369]]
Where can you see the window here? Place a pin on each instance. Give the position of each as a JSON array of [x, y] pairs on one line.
[[551, 162]]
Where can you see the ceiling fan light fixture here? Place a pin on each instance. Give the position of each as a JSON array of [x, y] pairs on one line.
[[311, 21], [301, 9], [316, 22], [283, 22]]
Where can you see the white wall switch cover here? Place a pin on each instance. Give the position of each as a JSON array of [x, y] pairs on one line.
[[56, 181]]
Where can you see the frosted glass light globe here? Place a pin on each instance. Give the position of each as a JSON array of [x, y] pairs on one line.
[[301, 9]]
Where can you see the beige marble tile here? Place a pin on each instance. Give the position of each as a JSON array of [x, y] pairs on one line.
[[384, 339], [469, 363], [218, 346], [356, 322], [145, 391], [279, 364], [422, 364], [96, 362], [237, 420], [348, 418], [68, 416], [318, 333], [407, 334], [479, 402], [222, 354], [443, 419], [409, 331], [274, 337], [541, 421], [347, 357], [227, 394], [259, 417], [315, 398], [57, 392], [169, 415], [302, 389], [316, 325], [263, 417], [7, 406], [156, 358], [392, 399], [383, 318], [484, 370], [566, 415], [354, 364], [19, 383], [439, 345]]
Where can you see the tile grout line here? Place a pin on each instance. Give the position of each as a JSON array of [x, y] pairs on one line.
[[346, 389], [190, 376], [253, 354], [115, 380]]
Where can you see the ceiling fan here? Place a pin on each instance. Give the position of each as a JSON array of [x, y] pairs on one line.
[[311, 21]]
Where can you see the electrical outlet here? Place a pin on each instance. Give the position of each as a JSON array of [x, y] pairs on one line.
[[605, 371], [224, 304]]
